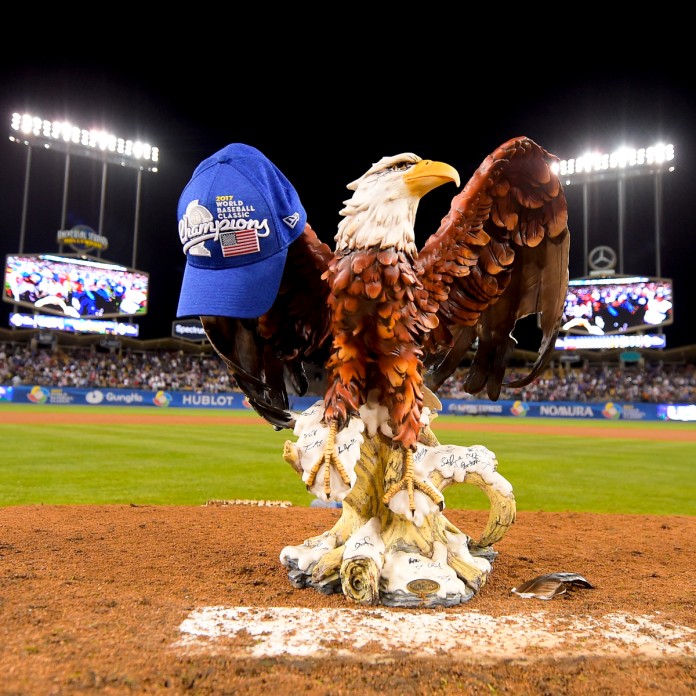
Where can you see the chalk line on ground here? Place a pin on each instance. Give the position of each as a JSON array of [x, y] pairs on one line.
[[285, 631]]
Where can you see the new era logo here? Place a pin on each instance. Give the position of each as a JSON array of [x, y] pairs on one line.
[[292, 220], [239, 242]]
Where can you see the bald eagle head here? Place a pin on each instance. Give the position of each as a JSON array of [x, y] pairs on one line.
[[382, 210]]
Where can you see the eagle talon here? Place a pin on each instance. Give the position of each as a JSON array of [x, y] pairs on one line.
[[409, 482], [328, 458]]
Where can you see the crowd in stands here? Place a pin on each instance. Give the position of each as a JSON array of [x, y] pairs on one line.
[[661, 384], [86, 367]]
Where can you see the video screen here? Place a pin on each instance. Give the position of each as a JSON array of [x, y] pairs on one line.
[[75, 286], [615, 305]]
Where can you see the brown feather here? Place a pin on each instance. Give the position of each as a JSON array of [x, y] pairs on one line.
[[515, 196]]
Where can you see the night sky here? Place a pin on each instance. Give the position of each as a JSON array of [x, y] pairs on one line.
[[323, 132]]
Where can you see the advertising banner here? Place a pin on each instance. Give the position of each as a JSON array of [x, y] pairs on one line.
[[124, 397], [602, 410]]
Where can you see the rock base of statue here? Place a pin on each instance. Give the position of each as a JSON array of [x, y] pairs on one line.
[[403, 552]]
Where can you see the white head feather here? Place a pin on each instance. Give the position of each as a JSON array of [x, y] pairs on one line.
[[382, 210]]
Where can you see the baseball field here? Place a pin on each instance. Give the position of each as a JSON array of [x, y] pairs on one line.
[[144, 455], [139, 553]]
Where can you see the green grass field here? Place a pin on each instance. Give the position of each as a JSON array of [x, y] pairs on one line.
[[173, 464]]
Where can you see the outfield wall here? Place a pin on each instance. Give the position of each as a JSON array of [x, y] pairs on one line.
[[603, 410]]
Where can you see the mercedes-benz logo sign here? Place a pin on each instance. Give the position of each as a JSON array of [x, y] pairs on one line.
[[602, 258]]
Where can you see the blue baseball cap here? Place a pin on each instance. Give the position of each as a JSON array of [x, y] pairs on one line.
[[237, 217]]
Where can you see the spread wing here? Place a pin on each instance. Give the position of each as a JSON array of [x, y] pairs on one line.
[[500, 254], [265, 354]]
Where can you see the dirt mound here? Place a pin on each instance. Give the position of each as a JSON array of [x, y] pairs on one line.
[[126, 599]]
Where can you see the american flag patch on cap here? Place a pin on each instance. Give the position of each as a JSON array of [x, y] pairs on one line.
[[239, 242]]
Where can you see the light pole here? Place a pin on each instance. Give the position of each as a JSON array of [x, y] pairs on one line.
[[619, 166], [31, 131]]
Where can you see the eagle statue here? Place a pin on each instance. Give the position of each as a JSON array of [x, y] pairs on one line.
[[389, 323]]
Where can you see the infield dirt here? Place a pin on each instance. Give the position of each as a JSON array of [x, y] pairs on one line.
[[93, 600]]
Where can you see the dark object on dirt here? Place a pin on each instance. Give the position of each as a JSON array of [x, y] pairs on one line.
[[550, 585]]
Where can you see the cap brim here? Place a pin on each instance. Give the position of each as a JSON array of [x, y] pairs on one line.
[[244, 292]]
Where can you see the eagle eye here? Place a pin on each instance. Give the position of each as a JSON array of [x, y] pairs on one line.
[[400, 166]]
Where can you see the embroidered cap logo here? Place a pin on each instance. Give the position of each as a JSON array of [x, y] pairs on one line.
[[239, 242]]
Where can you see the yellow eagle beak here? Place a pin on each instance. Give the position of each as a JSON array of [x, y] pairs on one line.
[[427, 175]]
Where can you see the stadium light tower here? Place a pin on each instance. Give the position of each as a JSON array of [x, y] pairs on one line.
[[618, 166], [32, 131]]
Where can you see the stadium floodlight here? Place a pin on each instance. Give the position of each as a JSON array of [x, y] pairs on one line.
[[622, 163], [65, 137]]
